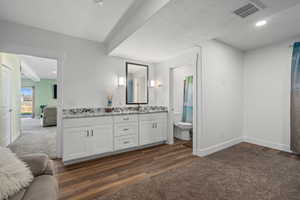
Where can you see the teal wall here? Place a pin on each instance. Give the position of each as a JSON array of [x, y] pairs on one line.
[[43, 93]]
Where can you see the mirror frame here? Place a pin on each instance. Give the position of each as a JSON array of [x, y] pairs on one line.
[[147, 67]]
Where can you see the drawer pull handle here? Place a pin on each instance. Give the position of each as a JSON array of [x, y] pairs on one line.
[[127, 118], [125, 129], [87, 133], [126, 142]]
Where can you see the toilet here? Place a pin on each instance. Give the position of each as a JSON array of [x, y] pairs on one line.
[[182, 130]]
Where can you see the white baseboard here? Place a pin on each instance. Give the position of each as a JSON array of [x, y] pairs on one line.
[[219, 147], [281, 147]]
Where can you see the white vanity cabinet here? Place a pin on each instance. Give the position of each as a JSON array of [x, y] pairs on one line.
[[85, 137], [153, 128], [105, 135], [126, 131]]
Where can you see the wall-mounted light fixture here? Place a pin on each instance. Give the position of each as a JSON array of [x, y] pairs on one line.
[[159, 84], [155, 84], [152, 83], [121, 81]]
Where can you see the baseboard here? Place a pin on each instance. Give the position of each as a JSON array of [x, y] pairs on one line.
[[281, 147], [219, 147]]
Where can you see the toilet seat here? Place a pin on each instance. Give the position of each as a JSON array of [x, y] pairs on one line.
[[184, 125]]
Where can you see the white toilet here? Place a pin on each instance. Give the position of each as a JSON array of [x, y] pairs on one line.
[[182, 130]]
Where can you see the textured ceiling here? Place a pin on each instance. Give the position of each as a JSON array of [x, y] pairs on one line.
[[183, 24], [78, 18], [44, 68]]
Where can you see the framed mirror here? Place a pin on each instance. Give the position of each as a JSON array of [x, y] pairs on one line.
[[136, 83]]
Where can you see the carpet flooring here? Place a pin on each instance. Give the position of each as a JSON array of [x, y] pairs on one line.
[[242, 172], [35, 139]]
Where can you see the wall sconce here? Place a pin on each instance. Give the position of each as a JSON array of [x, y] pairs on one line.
[[159, 84], [155, 83], [121, 81], [152, 83]]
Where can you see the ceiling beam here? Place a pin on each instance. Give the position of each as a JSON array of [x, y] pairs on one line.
[[134, 18]]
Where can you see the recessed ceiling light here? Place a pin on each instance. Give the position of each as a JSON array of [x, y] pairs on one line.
[[99, 2], [261, 23]]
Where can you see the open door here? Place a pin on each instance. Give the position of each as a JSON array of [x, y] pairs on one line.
[[6, 107]]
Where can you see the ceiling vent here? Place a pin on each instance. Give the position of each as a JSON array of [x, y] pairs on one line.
[[246, 10], [259, 3]]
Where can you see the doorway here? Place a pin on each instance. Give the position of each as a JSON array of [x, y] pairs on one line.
[[183, 98], [182, 103], [33, 114]]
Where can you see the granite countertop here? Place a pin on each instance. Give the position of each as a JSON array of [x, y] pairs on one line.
[[99, 112]]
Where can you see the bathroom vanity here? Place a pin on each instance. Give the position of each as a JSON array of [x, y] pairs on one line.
[[91, 133]]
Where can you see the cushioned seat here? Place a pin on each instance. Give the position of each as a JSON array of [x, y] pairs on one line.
[[44, 185], [18, 196], [42, 188], [49, 116]]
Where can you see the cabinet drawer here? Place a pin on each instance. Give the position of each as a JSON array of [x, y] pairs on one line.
[[126, 129], [126, 118], [153, 116], [124, 142], [93, 121]]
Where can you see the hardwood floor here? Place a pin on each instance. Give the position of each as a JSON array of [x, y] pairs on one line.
[[92, 179]]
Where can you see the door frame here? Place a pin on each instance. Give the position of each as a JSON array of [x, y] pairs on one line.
[[60, 57], [197, 90]]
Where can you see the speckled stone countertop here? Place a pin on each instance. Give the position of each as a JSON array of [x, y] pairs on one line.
[[98, 112]]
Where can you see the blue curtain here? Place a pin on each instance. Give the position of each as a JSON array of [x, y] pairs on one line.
[[295, 100], [187, 114]]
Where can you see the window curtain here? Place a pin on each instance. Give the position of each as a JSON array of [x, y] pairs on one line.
[[295, 100], [187, 114]]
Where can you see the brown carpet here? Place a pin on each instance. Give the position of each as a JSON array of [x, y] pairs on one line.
[[242, 172]]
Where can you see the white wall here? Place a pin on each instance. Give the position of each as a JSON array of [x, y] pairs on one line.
[[267, 95], [187, 59], [222, 83], [220, 94], [88, 74]]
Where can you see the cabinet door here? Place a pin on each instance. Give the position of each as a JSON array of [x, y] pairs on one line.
[[152, 132], [161, 129], [101, 139], [75, 143]]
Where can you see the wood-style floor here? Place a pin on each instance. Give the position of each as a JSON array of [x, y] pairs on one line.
[[92, 179]]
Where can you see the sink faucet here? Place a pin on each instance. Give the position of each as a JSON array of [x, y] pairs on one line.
[[139, 107]]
